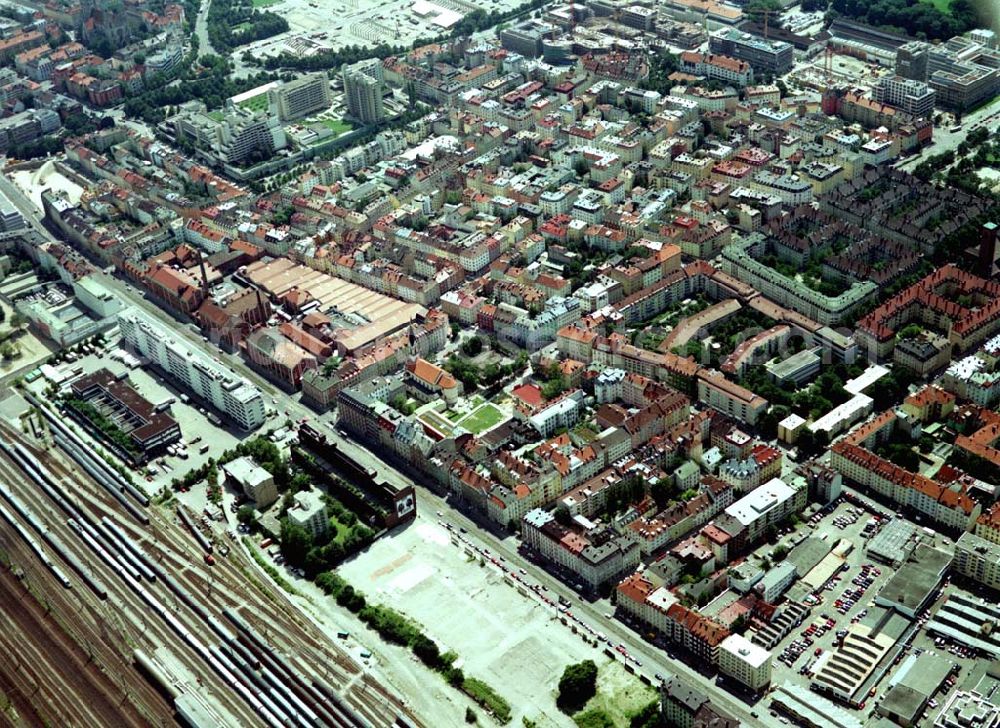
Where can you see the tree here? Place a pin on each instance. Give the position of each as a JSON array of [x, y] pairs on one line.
[[8, 350], [245, 515], [577, 685], [470, 715], [296, 542], [472, 347], [562, 515], [426, 651], [661, 491]]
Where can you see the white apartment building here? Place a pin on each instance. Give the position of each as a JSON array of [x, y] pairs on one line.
[[742, 660], [210, 381], [309, 512], [301, 97], [767, 506], [978, 559]]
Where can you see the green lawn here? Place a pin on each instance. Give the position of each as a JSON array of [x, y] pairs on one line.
[[255, 103], [265, 3], [338, 126], [482, 419], [620, 696], [216, 115]]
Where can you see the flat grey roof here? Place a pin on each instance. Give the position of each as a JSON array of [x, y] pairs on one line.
[[916, 578]]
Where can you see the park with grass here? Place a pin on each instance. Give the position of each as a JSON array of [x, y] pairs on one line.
[[256, 103], [482, 418], [337, 126]]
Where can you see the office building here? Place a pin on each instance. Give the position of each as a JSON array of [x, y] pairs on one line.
[[963, 72], [526, 38], [911, 60], [967, 709], [211, 382], [364, 84], [915, 98], [149, 428], [745, 662], [766, 56], [301, 97], [796, 370]]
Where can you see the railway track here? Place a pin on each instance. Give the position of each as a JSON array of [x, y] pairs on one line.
[[158, 592], [122, 616], [58, 669]]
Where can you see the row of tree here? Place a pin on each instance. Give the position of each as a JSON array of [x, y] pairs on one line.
[[234, 23], [912, 17]]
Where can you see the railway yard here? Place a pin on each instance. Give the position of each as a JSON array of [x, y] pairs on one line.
[[117, 614]]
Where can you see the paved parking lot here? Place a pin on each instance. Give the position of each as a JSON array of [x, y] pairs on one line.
[[355, 22], [844, 601], [156, 388]]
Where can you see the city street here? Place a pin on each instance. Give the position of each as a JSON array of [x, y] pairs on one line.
[[945, 138]]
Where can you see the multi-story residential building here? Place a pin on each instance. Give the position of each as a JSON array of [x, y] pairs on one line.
[[928, 301], [773, 57], [549, 417], [209, 380], [719, 393], [595, 555], [767, 506], [301, 97], [642, 599], [988, 524], [364, 85], [745, 662], [970, 379], [948, 505], [234, 139], [745, 474], [739, 260], [978, 559], [309, 512], [682, 705]]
